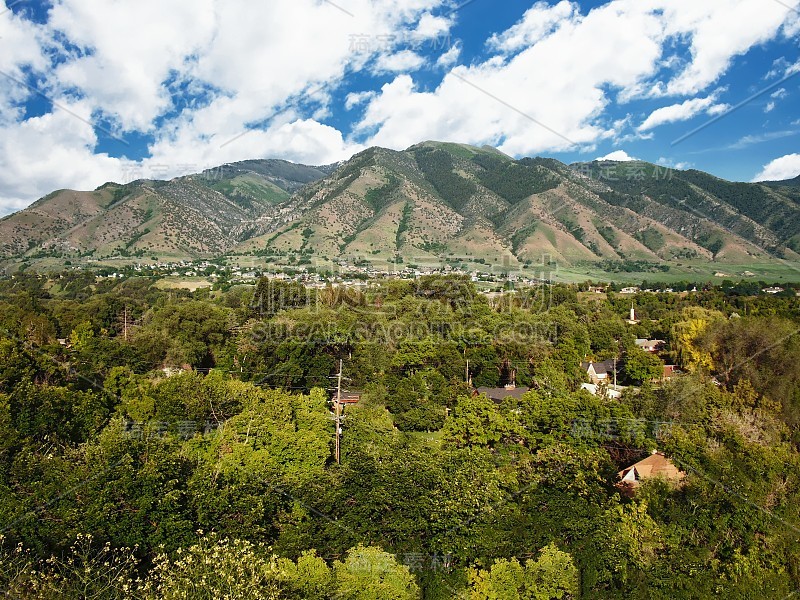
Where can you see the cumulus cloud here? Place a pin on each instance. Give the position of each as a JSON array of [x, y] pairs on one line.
[[668, 162], [127, 52], [193, 75], [745, 23], [619, 156], [682, 112], [19, 49], [431, 26], [357, 98], [449, 58], [538, 22], [555, 72], [49, 152], [785, 167], [399, 62]]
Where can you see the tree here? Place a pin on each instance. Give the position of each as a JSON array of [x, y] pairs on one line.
[[369, 573], [552, 576], [477, 421], [641, 366], [82, 335], [273, 296], [214, 569], [309, 577], [687, 338]]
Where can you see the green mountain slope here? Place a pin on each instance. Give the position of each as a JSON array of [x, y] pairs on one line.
[[452, 200], [197, 215], [431, 201]]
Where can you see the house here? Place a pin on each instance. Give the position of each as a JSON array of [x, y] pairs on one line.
[[650, 345], [599, 371], [349, 398], [172, 371], [629, 290], [670, 371], [595, 390], [654, 466], [501, 393]]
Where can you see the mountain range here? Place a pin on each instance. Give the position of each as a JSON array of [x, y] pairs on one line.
[[430, 201]]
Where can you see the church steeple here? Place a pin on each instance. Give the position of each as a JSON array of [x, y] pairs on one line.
[[633, 320]]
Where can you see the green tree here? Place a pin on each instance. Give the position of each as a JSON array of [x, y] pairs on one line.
[[640, 366], [369, 573], [552, 576], [476, 420]]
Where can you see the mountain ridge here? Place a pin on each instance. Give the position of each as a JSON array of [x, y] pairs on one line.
[[431, 200]]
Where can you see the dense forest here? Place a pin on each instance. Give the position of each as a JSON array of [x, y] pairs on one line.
[[158, 443]]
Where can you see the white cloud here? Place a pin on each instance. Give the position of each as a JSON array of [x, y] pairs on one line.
[[779, 94], [781, 68], [19, 49], [399, 62], [494, 102], [128, 51], [449, 58], [357, 98], [750, 140], [618, 155], [538, 22], [668, 162], [682, 112], [785, 167], [265, 66], [51, 152], [792, 26], [745, 23], [431, 26], [556, 72]]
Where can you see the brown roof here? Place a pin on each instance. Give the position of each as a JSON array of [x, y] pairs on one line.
[[655, 465], [502, 393], [351, 397]]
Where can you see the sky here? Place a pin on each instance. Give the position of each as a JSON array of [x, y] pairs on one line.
[[117, 90]]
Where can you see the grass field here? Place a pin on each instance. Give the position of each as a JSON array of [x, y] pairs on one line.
[[183, 283], [771, 272]]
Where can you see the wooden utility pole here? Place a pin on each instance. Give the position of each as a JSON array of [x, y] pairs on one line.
[[338, 409], [125, 323]]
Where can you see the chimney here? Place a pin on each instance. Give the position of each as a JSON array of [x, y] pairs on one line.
[[633, 313]]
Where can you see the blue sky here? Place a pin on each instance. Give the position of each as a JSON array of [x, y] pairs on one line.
[[94, 90]]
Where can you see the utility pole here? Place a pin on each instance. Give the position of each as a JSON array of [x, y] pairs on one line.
[[468, 371], [338, 417], [338, 409], [125, 324]]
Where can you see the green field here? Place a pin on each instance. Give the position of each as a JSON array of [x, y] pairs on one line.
[[771, 272]]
